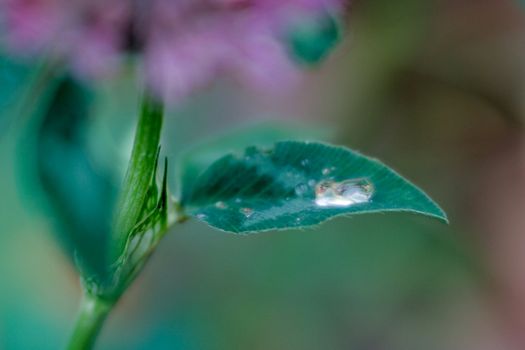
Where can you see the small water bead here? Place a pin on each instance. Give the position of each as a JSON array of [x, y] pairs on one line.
[[301, 189], [221, 205], [328, 171], [305, 162], [312, 183], [343, 194], [247, 212]]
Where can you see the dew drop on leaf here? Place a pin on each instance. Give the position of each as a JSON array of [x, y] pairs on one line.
[[301, 189], [247, 212], [343, 194], [221, 205]]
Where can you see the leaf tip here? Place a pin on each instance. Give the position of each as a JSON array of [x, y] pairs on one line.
[[437, 213]]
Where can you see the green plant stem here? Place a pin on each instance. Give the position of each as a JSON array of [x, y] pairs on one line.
[[91, 316], [139, 173], [95, 309]]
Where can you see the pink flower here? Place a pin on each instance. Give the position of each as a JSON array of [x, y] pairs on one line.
[[185, 44], [85, 33]]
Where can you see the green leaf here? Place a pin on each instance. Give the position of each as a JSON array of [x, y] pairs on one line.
[[80, 194], [299, 184], [141, 170], [13, 77]]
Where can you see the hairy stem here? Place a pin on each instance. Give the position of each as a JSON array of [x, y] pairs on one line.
[[141, 168], [91, 316]]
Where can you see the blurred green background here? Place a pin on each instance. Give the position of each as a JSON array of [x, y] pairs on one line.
[[434, 88]]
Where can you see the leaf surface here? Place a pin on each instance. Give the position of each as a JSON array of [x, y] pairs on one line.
[[197, 158]]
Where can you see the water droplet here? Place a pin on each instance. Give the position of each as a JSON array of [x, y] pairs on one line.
[[359, 190], [328, 171], [343, 194], [311, 183], [201, 216], [298, 220], [221, 205], [305, 162], [247, 212], [301, 189]]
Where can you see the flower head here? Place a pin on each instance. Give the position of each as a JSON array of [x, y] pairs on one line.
[[184, 44]]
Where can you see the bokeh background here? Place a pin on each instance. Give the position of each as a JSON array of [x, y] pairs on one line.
[[434, 88]]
